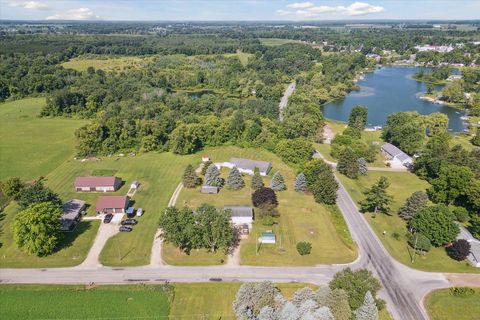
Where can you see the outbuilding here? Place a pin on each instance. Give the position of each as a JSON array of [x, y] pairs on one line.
[[205, 158], [248, 166], [267, 237], [112, 204], [396, 156], [71, 214], [209, 189], [134, 185], [97, 184], [241, 215]]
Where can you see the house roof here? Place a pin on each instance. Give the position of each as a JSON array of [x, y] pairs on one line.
[[393, 151], [95, 181], [110, 202], [240, 211], [71, 209], [251, 164]]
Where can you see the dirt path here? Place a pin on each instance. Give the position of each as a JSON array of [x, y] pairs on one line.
[[233, 259], [156, 255]]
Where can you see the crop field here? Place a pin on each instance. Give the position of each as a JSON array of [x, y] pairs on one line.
[[301, 219], [24, 302], [32, 146], [106, 63], [443, 305], [402, 185]]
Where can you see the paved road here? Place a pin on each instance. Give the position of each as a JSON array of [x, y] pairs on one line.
[[284, 101], [319, 155]]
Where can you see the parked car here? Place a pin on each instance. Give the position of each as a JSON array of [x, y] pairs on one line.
[[108, 218], [130, 212], [129, 222], [125, 229], [139, 212]]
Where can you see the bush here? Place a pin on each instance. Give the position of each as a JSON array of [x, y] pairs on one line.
[[264, 195], [462, 291], [419, 241], [268, 221], [461, 214], [459, 249], [304, 248]]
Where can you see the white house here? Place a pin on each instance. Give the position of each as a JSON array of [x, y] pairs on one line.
[[396, 156], [241, 215], [248, 166]]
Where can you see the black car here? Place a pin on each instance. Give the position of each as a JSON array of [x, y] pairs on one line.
[[125, 229], [129, 222], [108, 218]]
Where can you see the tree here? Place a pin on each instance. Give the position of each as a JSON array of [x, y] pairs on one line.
[[12, 187], [90, 138], [436, 223], [405, 130], [295, 151], [257, 181], [264, 195], [216, 229], [417, 201], [235, 180], [36, 230], [419, 242], [362, 166], [37, 193], [358, 117], [430, 88], [451, 184], [368, 310], [376, 198], [212, 177], [205, 166], [459, 249], [476, 139], [461, 214], [278, 183], [356, 283], [300, 183], [179, 228], [338, 304], [321, 181], [190, 178], [348, 164], [304, 248], [252, 298]]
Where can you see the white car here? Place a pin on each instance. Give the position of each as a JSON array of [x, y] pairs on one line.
[[139, 212]]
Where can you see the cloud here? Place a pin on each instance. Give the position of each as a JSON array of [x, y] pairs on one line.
[[309, 10], [75, 14], [32, 5]]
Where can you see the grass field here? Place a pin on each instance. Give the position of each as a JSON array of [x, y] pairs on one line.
[[80, 302], [242, 56], [32, 146], [106, 63], [301, 219], [403, 184], [277, 41], [442, 305]]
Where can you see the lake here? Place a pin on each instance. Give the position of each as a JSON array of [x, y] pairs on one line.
[[387, 90]]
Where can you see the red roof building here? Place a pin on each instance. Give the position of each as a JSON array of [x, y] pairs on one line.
[[97, 184], [112, 204]]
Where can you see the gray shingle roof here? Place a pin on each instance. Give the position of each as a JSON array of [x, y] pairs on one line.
[[72, 209], [240, 211], [251, 164], [391, 149]]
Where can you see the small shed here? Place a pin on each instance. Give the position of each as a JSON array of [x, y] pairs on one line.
[[134, 185], [209, 189], [205, 158], [267, 237]]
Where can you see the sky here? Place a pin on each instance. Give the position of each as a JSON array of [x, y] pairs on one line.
[[224, 10]]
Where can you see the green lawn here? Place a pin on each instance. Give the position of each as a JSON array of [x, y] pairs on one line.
[[442, 305], [301, 219], [276, 41], [79, 302], [242, 56], [403, 184], [32, 146], [106, 63]]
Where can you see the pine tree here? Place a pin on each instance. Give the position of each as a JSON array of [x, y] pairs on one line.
[[190, 178], [257, 181], [278, 183], [418, 200], [235, 180], [362, 166], [368, 310], [376, 198], [348, 164], [476, 138], [205, 166], [212, 177], [300, 183]]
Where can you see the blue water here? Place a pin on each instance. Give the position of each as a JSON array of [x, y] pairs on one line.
[[387, 90]]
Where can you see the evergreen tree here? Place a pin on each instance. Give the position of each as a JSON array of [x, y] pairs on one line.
[[205, 166], [337, 301], [362, 166], [300, 183], [278, 183], [235, 180], [348, 164], [377, 198], [476, 138], [368, 310], [212, 177], [190, 178], [418, 200], [257, 181], [358, 117]]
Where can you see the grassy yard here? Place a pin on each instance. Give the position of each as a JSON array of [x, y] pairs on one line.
[[276, 41], [242, 56], [32, 146], [403, 184], [105, 63], [442, 305], [79, 302], [301, 219]]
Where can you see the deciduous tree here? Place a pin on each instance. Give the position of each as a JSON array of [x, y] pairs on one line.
[[459, 249], [190, 178], [12, 187], [348, 164], [37, 193]]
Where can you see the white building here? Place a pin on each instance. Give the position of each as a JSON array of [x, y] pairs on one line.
[[396, 156], [241, 215], [247, 166]]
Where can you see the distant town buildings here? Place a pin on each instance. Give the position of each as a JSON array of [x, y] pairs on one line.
[[428, 47]]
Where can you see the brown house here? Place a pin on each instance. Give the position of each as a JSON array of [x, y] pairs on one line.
[[97, 184], [112, 204]]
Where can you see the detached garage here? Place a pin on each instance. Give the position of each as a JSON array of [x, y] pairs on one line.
[[112, 204], [97, 184]]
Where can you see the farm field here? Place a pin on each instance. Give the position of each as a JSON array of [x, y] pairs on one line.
[[443, 305], [301, 219], [402, 185], [31, 146], [105, 63], [277, 41], [74, 302]]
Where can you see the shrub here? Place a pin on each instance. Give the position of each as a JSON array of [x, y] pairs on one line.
[[396, 235], [419, 241], [268, 221], [461, 214], [304, 248], [462, 291], [264, 195], [459, 249]]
